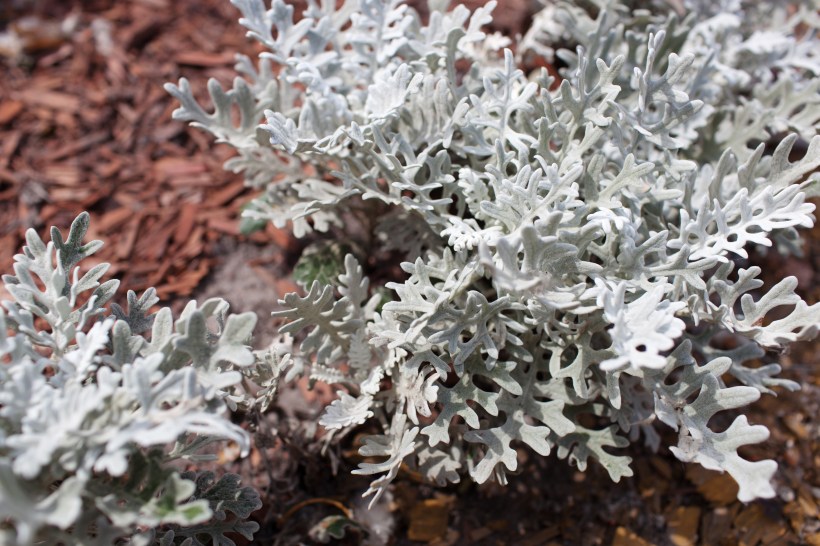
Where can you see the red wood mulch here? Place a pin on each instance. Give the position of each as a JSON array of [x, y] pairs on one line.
[[86, 125]]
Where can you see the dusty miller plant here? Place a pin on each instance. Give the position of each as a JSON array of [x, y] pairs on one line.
[[96, 405], [570, 278]]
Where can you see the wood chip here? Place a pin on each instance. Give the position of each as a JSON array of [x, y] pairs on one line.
[[757, 528], [478, 534], [63, 174], [683, 522], [194, 245], [452, 538], [52, 100], [808, 503], [142, 32], [716, 526], [796, 422], [224, 225], [70, 195], [111, 220], [541, 537], [126, 243], [185, 223], [9, 110], [429, 519], [225, 195], [625, 537], [170, 167], [200, 58], [719, 489], [9, 146], [73, 148], [38, 34]]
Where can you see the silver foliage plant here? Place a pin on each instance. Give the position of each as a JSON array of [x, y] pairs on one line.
[[570, 281], [96, 405]]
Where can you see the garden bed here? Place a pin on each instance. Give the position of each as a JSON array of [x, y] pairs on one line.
[[86, 125]]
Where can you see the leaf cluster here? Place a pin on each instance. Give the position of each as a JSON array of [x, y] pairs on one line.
[[570, 245], [95, 406]]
